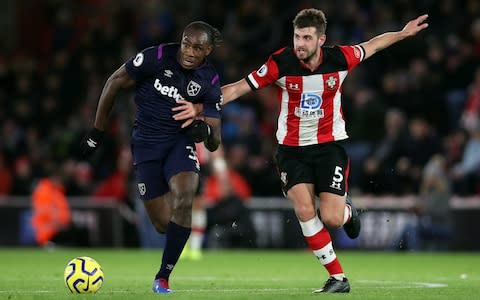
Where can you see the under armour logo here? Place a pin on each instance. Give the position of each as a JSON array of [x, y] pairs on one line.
[[323, 256], [91, 143], [335, 185], [170, 266], [293, 86]]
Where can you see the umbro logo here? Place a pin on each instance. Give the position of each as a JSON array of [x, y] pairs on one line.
[[168, 73], [91, 143]]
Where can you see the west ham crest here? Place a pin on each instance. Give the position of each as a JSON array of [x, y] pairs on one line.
[[193, 88], [142, 188]]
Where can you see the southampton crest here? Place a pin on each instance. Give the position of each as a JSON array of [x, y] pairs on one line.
[[193, 88], [331, 82]]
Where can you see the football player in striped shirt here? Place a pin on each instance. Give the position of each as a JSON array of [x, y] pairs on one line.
[[311, 127]]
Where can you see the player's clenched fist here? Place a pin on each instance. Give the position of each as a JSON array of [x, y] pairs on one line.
[[91, 141], [199, 131]]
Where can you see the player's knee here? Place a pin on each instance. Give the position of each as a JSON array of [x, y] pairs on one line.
[[182, 208], [182, 203], [305, 212], [183, 199], [332, 221], [183, 194], [160, 225], [182, 214]]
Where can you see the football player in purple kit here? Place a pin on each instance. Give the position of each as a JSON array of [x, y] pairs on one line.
[[165, 161]]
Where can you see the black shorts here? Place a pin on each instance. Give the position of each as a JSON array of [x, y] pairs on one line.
[[326, 166], [166, 160]]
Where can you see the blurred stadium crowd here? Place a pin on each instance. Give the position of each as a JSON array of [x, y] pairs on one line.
[[417, 100]]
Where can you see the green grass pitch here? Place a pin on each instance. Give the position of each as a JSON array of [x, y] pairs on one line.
[[255, 274]]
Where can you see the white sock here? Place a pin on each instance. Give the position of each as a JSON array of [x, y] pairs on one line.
[[347, 214], [199, 222]]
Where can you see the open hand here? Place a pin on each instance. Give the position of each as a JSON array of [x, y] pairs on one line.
[[415, 26], [186, 111]]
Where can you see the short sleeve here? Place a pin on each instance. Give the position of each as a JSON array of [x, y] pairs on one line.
[[212, 105], [143, 64], [264, 76], [353, 55]]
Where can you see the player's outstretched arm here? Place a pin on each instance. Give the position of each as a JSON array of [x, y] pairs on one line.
[[385, 40], [118, 80], [234, 90], [187, 111]]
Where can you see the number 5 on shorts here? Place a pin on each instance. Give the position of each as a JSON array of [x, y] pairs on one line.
[[337, 178]]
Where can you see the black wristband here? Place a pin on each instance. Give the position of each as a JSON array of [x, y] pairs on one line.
[[91, 141], [199, 131]]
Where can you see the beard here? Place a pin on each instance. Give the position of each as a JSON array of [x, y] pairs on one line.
[[305, 56]]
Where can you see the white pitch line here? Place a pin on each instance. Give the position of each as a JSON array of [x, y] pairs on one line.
[[376, 283], [402, 284], [24, 292], [242, 290], [214, 278], [175, 290], [254, 290]]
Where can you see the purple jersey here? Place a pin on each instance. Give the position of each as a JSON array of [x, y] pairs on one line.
[[160, 82]]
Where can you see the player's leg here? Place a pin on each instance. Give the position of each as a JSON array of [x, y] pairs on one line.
[[193, 248], [157, 199], [351, 219], [218, 167], [182, 188], [315, 232], [181, 170], [297, 178], [331, 175], [159, 211], [333, 210], [199, 223]]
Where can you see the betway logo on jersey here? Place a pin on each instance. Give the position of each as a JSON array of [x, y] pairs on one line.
[[169, 91]]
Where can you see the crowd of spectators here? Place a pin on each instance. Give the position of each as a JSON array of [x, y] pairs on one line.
[[418, 98]]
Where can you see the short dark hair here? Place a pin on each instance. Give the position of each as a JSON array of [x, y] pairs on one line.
[[311, 17], [214, 35]]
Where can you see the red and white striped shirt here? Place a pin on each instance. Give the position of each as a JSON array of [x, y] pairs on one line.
[[310, 101]]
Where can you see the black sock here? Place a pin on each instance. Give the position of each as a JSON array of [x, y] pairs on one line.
[[175, 240]]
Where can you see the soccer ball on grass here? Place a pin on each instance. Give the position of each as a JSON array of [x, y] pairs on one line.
[[83, 275]]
